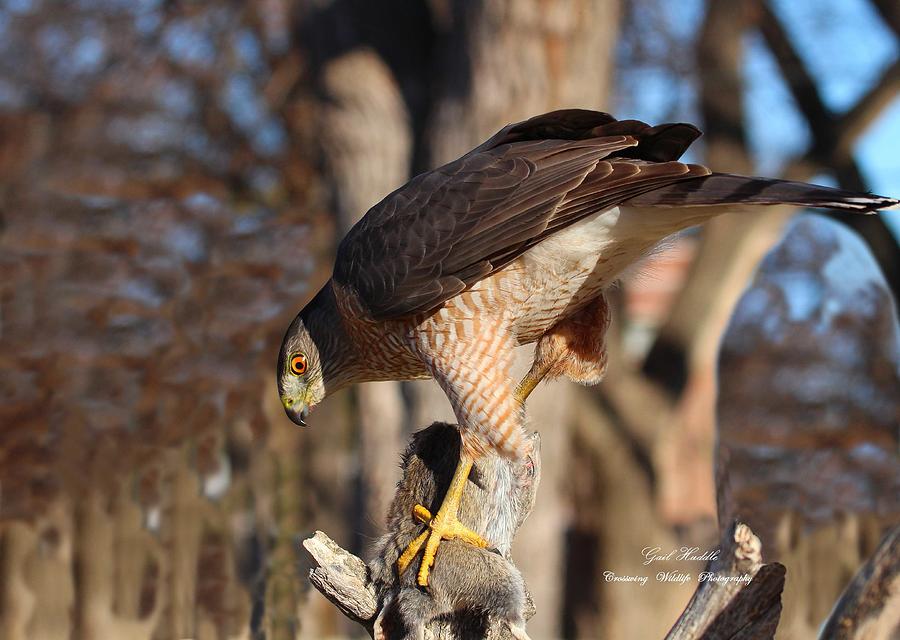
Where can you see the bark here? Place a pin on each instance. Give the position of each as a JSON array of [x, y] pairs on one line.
[[343, 579]]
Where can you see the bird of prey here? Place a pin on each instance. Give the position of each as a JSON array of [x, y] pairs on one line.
[[511, 244]]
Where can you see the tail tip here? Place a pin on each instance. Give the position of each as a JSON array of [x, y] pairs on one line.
[[871, 204]]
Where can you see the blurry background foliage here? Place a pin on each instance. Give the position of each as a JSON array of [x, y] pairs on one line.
[[174, 177]]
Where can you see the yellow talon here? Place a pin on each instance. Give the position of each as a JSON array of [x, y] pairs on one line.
[[421, 514], [443, 526], [411, 552]]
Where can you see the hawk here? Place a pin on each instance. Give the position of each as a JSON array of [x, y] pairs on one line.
[[513, 243]]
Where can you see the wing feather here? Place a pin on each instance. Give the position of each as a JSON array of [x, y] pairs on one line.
[[449, 228], [720, 189]]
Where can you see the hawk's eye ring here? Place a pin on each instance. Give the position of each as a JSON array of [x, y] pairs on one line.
[[298, 364]]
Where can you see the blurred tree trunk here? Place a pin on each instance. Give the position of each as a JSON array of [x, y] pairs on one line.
[[367, 142], [683, 358]]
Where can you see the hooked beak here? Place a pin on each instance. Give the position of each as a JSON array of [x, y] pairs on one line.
[[296, 411]]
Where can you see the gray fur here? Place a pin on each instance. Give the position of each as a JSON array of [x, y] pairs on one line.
[[468, 586]]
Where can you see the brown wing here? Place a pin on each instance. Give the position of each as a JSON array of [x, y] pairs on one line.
[[447, 229]]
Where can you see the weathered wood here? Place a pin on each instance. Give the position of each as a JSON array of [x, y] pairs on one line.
[[740, 597], [870, 605], [342, 578]]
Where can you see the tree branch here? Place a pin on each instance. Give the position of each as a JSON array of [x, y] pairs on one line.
[[342, 578], [798, 79], [852, 125], [834, 136], [890, 13], [740, 598], [870, 605]]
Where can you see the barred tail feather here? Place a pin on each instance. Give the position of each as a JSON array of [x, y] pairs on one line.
[[724, 188]]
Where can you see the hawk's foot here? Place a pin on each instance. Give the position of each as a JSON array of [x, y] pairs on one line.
[[443, 526]]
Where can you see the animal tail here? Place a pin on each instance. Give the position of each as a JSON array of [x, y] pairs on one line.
[[722, 189]]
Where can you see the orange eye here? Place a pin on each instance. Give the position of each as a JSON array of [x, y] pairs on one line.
[[298, 364]]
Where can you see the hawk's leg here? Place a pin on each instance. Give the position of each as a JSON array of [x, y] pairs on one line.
[[470, 360], [530, 382], [443, 526], [574, 347]]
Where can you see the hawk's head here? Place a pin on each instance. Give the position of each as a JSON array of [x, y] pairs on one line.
[[315, 357], [300, 384]]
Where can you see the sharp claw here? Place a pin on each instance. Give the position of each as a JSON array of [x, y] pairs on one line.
[[411, 552], [421, 514]]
